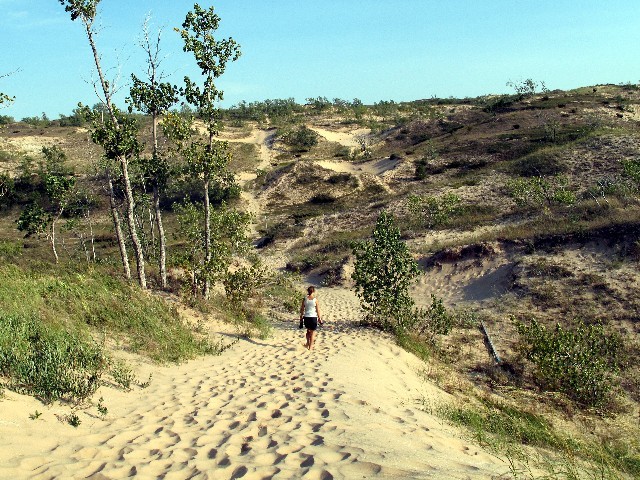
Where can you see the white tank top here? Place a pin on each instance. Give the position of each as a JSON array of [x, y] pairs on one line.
[[310, 307]]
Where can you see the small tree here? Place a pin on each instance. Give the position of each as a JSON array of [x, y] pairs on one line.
[[207, 160], [154, 98], [41, 216], [384, 270], [301, 139], [111, 131]]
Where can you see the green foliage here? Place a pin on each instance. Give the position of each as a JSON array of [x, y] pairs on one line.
[[118, 138], [384, 270], [49, 361], [243, 283], [631, 169], [228, 238], [83, 9], [319, 104], [76, 119], [102, 409], [580, 361], [122, 374], [435, 320], [540, 191], [33, 220], [36, 121], [301, 139], [527, 88], [435, 211], [145, 324], [35, 415], [211, 56], [73, 419]]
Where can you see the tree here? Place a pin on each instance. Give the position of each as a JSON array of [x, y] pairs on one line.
[[384, 270], [207, 160], [5, 99], [112, 132], [42, 214], [301, 139], [154, 98]]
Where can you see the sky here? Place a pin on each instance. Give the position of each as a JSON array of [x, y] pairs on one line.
[[372, 50]]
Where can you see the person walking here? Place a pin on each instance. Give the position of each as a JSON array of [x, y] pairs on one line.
[[310, 316]]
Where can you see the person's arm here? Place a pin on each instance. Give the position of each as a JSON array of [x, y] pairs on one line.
[[318, 311], [302, 309]]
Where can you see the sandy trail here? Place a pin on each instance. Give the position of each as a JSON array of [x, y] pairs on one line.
[[265, 409]]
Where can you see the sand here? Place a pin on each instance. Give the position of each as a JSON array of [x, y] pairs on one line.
[[351, 408]]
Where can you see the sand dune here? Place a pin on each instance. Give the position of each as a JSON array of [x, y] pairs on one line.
[[265, 409]]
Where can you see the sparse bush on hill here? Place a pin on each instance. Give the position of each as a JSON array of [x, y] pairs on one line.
[[579, 361], [541, 191], [434, 211]]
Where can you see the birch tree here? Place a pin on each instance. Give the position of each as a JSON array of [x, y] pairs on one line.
[[154, 98], [113, 132], [207, 159]]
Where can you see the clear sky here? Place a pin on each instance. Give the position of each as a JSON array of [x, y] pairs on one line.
[[368, 49]]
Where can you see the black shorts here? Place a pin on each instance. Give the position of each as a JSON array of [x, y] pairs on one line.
[[311, 323]]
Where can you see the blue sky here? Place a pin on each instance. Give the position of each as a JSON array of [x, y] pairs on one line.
[[368, 49]]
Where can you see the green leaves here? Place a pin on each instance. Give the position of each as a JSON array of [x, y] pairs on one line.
[[211, 56], [384, 270], [153, 98], [435, 211], [578, 361], [83, 9]]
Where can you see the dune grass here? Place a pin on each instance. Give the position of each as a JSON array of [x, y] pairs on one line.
[[508, 431], [55, 320]]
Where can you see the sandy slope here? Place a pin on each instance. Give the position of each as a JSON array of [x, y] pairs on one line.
[[265, 409]]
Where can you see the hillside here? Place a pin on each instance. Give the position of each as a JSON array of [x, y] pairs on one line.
[[516, 208]]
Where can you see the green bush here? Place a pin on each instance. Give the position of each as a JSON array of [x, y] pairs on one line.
[[434, 211], [301, 139], [579, 362], [49, 361], [540, 163], [383, 271], [435, 320], [540, 191]]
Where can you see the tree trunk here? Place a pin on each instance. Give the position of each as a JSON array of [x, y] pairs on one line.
[[131, 222], [52, 236], [207, 237], [123, 162], [118, 229], [163, 247]]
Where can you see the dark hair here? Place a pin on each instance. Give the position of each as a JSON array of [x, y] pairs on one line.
[[311, 289]]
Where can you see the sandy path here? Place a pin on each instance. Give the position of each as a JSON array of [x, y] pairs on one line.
[[265, 409]]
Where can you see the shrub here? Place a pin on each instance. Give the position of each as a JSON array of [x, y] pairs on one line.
[[383, 271], [538, 191], [49, 361], [434, 320], [579, 362], [434, 211], [542, 163], [302, 139]]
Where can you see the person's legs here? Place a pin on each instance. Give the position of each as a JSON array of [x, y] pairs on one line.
[[312, 339], [308, 337]]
